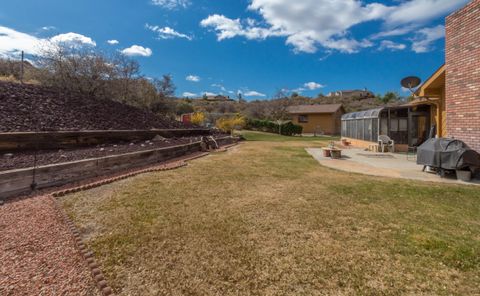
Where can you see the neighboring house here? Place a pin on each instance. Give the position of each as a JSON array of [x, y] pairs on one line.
[[217, 98], [318, 119], [354, 93], [448, 100], [185, 118]]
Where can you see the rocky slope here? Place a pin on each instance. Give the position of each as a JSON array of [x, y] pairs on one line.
[[36, 108]]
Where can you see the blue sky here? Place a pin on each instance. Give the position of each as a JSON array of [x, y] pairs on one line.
[[252, 46]]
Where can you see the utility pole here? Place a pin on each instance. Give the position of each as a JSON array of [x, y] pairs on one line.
[[21, 68]]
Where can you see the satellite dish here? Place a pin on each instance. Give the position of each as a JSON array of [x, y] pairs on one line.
[[411, 82]]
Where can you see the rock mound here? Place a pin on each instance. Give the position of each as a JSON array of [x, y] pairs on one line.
[[26, 108]]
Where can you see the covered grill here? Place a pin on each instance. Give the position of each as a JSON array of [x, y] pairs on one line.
[[447, 154]]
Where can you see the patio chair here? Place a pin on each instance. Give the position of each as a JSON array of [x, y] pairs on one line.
[[385, 141]]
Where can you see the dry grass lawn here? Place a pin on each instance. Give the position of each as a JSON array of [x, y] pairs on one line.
[[266, 219]]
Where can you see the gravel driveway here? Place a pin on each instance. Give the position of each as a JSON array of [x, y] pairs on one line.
[[37, 252]]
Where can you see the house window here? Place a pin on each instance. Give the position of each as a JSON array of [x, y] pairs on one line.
[[303, 118]]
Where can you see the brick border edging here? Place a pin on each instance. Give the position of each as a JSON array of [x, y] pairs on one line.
[[226, 147], [87, 255], [94, 267], [162, 167]]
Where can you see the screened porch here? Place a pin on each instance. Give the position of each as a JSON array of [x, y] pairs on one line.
[[408, 126]]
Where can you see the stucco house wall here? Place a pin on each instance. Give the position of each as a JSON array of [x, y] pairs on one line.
[[317, 123]]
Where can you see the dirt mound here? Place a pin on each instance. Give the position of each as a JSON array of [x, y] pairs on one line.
[[36, 108]]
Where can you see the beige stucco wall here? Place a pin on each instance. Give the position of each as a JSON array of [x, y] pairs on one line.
[[320, 123]]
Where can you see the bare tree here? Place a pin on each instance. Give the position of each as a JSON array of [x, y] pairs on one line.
[[281, 93], [256, 109], [127, 74], [94, 73], [277, 109], [165, 86], [74, 68]]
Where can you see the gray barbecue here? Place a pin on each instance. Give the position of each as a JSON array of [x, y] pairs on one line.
[[447, 155]]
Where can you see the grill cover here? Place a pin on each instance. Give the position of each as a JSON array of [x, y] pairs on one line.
[[448, 154]]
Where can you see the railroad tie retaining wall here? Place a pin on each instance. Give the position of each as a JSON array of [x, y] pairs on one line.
[[15, 182], [71, 139]]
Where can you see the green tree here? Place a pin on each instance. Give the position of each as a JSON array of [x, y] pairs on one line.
[[184, 108], [388, 97]]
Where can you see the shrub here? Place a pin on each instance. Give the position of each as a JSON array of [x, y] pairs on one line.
[[198, 118], [229, 124], [290, 129], [287, 129]]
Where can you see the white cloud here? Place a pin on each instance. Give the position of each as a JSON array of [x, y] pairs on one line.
[[420, 11], [48, 28], [137, 50], [310, 24], [395, 31], [171, 4], [305, 23], [253, 93], [113, 42], [167, 32], [228, 28], [210, 94], [393, 46], [422, 42], [192, 78], [189, 94], [73, 39], [313, 85], [13, 42], [219, 86], [411, 15]]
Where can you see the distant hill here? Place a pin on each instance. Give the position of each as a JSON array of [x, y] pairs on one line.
[[10, 70], [270, 109], [352, 104]]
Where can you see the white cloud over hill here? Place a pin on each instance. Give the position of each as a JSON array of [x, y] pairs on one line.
[[12, 42]]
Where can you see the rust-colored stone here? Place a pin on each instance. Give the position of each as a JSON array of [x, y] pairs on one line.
[[96, 271], [107, 291], [102, 284]]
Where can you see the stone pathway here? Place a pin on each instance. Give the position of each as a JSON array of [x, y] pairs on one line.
[[37, 252]]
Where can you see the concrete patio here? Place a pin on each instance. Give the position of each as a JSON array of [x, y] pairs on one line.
[[394, 165]]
